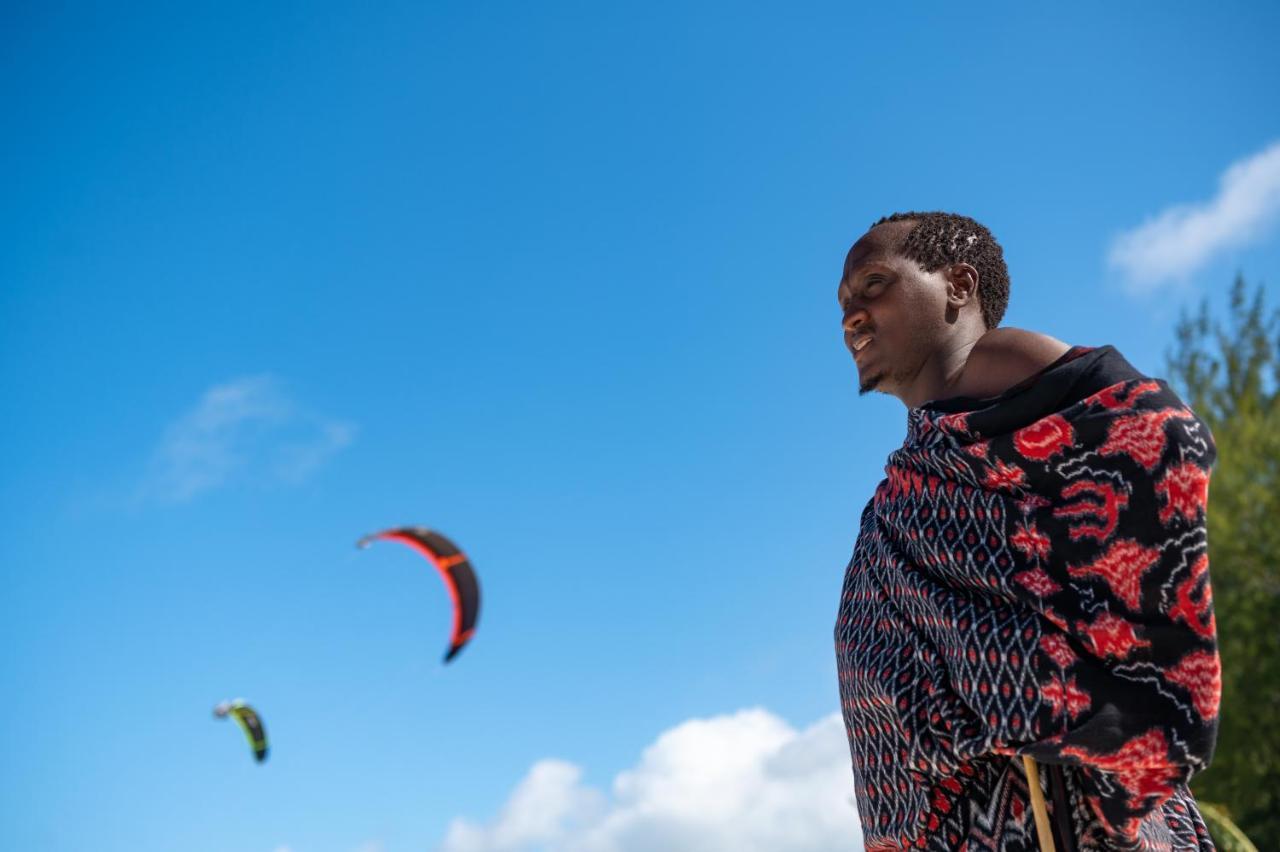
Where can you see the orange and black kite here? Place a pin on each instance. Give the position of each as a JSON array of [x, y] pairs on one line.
[[454, 567]]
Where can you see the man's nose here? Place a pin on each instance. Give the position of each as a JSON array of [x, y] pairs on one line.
[[853, 319]]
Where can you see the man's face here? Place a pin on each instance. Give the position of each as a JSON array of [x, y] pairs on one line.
[[894, 313]]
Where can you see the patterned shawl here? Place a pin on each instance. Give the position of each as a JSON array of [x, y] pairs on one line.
[[1031, 577]]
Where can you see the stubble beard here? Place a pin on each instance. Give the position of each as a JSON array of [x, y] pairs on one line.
[[871, 383]]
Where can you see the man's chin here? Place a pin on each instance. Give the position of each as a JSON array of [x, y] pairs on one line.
[[870, 383]]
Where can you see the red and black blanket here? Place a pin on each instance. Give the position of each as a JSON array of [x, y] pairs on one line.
[[1032, 577]]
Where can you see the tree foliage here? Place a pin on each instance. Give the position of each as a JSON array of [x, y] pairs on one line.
[[1227, 836], [1229, 373]]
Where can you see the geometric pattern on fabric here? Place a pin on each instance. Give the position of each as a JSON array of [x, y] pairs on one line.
[[1032, 578]]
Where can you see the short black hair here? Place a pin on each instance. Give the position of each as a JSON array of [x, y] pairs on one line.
[[941, 238]]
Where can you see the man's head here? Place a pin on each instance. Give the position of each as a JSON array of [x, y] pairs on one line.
[[915, 286]]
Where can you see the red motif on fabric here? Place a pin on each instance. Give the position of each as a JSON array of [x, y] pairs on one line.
[[1037, 582], [1200, 673], [1068, 697], [1111, 636], [1141, 437], [1004, 477], [1197, 616], [1045, 438], [1116, 398], [1185, 490], [1134, 762], [1106, 509], [1121, 568], [1033, 543], [900, 481], [957, 423], [1141, 766], [1058, 649], [1030, 503]]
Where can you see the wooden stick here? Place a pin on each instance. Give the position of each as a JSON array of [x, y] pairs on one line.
[[1037, 804]]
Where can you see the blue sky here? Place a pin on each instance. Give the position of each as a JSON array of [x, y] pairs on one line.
[[558, 280]]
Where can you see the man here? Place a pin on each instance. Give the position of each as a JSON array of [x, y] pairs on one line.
[[1030, 578]]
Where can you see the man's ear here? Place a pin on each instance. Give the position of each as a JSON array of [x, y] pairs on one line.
[[962, 284]]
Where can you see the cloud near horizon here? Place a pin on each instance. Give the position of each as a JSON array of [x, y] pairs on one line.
[[246, 429], [734, 783], [1179, 240]]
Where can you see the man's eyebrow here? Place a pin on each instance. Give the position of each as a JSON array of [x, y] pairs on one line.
[[870, 262], [862, 268], [848, 273]]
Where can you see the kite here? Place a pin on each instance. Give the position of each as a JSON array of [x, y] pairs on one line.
[[250, 721], [454, 568]]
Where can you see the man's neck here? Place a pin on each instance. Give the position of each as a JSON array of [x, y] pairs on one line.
[[997, 361]]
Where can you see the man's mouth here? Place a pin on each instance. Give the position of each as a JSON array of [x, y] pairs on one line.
[[859, 342]]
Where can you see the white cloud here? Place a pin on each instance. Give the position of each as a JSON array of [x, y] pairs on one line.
[[1179, 240], [247, 428], [727, 784]]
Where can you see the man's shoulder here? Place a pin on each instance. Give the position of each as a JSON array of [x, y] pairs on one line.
[[1020, 345], [1004, 357]]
